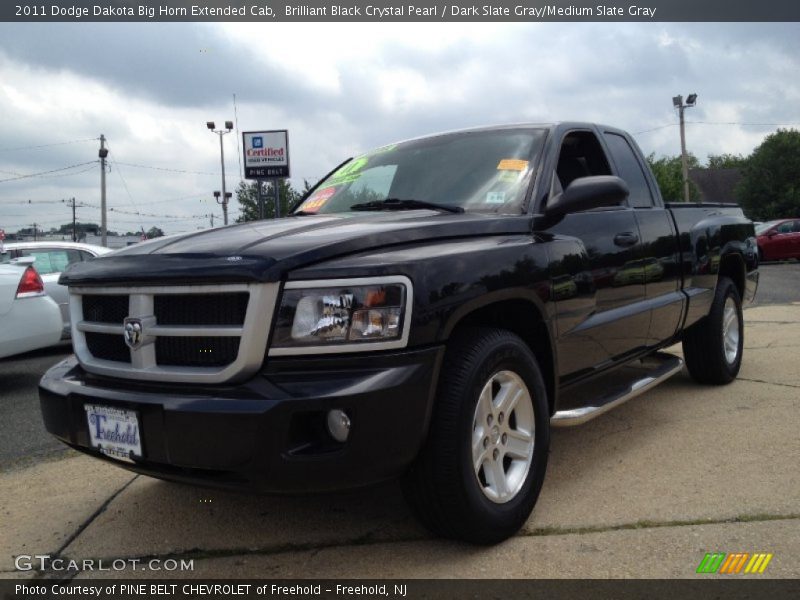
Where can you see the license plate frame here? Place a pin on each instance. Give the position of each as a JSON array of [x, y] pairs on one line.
[[114, 431]]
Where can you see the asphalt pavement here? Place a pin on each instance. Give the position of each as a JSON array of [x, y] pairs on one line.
[[780, 283], [23, 438], [644, 491]]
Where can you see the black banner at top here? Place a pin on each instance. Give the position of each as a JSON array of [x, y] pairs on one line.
[[402, 10]]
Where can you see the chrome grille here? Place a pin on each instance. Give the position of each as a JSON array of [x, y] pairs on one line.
[[200, 333]]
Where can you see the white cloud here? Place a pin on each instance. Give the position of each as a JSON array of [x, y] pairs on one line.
[[341, 88]]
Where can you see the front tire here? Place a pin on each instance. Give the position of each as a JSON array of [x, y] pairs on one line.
[[713, 346], [483, 465]]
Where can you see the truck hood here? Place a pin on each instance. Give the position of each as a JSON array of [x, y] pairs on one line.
[[263, 251]]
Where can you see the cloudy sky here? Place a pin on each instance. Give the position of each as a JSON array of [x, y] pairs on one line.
[[343, 88]]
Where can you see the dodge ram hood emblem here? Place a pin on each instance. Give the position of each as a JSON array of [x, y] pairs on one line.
[[133, 332]]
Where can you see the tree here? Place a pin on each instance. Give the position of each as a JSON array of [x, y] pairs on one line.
[[668, 172], [247, 196], [81, 228], [153, 232], [726, 161], [770, 186]]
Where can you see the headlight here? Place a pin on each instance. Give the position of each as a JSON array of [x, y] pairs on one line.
[[343, 315]]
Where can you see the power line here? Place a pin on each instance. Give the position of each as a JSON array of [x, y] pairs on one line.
[[163, 169], [655, 128], [719, 123], [743, 124], [127, 191], [47, 145], [41, 173], [86, 170]]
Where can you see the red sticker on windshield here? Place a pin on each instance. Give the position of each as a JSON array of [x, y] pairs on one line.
[[318, 199]]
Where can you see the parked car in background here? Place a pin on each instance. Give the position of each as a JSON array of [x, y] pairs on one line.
[[29, 319], [779, 240], [51, 259]]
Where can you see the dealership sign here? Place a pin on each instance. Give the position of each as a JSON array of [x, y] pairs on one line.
[[266, 154]]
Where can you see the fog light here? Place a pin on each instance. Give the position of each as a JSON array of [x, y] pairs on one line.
[[338, 425]]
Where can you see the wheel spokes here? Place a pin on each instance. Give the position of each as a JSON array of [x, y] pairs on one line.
[[519, 444], [508, 397], [502, 436], [496, 478]]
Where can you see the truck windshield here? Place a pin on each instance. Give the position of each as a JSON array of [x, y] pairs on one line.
[[481, 171]]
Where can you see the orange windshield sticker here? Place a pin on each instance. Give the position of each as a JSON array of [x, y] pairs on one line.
[[318, 199], [512, 164]]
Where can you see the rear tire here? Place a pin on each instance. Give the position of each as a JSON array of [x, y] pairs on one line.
[[482, 468], [713, 346]]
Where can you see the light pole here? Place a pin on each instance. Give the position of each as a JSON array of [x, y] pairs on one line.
[[677, 102], [221, 132], [223, 200]]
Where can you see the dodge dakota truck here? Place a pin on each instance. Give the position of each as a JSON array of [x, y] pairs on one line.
[[429, 311]]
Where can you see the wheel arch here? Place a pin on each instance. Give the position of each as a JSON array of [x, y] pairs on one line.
[[525, 317], [732, 265]]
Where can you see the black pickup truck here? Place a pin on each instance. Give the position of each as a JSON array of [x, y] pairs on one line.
[[429, 311]]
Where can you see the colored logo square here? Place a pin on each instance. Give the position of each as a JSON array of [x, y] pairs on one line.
[[258, 142]]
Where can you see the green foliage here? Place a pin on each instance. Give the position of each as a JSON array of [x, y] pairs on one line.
[[247, 196], [81, 228], [770, 187], [669, 175], [154, 232], [726, 161]]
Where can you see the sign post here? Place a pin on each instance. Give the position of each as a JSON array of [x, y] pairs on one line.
[[266, 157]]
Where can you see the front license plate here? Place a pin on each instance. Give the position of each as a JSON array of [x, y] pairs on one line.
[[114, 431]]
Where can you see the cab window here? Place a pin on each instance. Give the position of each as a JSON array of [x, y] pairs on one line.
[[630, 170]]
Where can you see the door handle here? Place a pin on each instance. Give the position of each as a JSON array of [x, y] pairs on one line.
[[626, 239]]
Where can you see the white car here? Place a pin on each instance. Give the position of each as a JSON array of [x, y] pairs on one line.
[[51, 259], [29, 318]]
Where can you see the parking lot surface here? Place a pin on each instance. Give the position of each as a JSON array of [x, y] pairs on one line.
[[643, 491]]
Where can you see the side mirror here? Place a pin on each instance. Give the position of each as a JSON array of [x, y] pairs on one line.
[[588, 192]]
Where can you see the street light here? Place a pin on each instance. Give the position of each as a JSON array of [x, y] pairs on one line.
[[677, 102], [225, 195]]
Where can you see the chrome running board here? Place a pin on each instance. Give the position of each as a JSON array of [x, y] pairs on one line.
[[659, 367]]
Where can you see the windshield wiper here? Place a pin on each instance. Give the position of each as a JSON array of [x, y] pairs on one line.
[[404, 204]]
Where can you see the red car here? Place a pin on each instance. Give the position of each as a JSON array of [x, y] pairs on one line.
[[778, 240]]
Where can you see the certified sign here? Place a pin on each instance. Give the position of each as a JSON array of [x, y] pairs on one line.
[[266, 154]]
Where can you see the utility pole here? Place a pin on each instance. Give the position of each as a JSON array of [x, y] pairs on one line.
[[34, 232], [677, 102], [212, 220], [74, 230], [103, 223]]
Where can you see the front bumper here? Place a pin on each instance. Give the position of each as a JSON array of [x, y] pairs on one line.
[[267, 434]]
